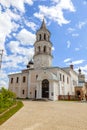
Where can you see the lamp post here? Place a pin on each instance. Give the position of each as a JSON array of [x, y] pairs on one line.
[[1, 53]]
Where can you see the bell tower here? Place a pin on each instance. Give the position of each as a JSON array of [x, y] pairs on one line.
[[42, 48]]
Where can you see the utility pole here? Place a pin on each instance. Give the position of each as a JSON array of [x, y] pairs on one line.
[[1, 54]]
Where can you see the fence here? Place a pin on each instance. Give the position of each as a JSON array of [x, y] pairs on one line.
[[69, 97]]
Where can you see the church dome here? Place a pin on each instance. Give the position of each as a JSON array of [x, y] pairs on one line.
[[30, 62], [79, 70]]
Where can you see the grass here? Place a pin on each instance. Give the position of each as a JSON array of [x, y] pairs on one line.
[[5, 108], [11, 112]]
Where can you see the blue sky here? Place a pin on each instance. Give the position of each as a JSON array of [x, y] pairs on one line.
[[19, 21]]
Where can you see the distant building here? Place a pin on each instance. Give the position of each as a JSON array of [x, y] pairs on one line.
[[81, 89], [40, 79]]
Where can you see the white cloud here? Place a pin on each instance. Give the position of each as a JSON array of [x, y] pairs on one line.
[[12, 15], [85, 2], [55, 12], [68, 44], [75, 34], [84, 68], [24, 51], [77, 62], [13, 62], [26, 37], [19, 55], [8, 17], [3, 79], [55, 1], [32, 25], [19, 4], [81, 24], [77, 49], [39, 15], [65, 4], [53, 49], [67, 60], [7, 25], [70, 30]]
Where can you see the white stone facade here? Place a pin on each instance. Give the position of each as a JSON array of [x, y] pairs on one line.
[[41, 80]]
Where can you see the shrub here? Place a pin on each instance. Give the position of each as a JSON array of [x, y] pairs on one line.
[[7, 98]]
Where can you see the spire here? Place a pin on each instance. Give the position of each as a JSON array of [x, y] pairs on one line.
[[43, 25]]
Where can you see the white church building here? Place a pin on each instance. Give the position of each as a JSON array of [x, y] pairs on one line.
[[40, 79]]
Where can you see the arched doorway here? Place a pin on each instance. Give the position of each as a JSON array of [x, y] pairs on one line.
[[45, 88], [35, 94], [78, 94]]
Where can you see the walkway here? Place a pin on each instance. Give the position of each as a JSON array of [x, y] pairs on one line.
[[36, 115]]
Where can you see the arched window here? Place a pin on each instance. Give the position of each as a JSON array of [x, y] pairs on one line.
[[49, 50], [48, 38], [23, 91], [44, 48], [39, 49], [11, 80], [17, 80], [39, 36], [63, 78], [36, 76], [67, 80], [44, 36], [60, 77], [24, 79]]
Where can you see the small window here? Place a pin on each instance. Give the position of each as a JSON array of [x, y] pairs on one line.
[[67, 80], [48, 38], [63, 78], [40, 37], [17, 80], [44, 36], [36, 76], [11, 80], [49, 50], [44, 48], [23, 91], [39, 49], [60, 77], [24, 79]]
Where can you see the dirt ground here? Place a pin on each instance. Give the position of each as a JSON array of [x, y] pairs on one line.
[[42, 115]]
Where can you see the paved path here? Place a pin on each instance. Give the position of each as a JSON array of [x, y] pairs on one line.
[[37, 115]]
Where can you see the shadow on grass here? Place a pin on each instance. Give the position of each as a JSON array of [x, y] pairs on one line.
[[11, 112]]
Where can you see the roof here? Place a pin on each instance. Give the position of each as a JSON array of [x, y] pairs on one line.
[[68, 69], [43, 27]]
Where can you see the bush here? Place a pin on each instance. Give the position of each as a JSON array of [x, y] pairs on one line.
[[7, 98]]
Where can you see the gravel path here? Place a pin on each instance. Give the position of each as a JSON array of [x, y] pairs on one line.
[[36, 115]]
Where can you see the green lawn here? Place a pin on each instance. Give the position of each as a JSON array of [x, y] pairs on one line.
[[11, 112], [5, 108]]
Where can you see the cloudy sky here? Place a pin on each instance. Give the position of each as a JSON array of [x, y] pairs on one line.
[[19, 21]]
